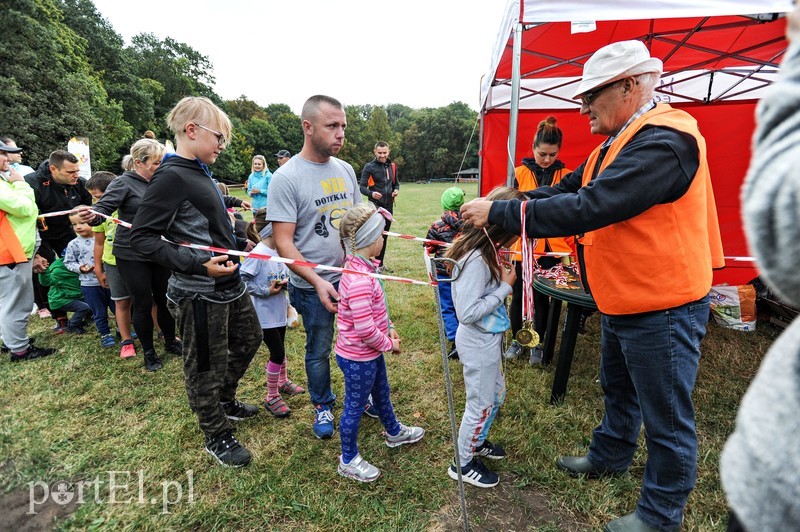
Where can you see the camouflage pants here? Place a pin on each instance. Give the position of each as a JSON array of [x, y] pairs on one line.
[[219, 342]]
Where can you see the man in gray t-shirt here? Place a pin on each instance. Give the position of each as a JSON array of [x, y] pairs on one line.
[[308, 196]]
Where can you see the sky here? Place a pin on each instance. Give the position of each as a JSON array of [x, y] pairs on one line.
[[413, 52]]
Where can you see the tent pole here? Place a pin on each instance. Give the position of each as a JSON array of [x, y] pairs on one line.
[[512, 122]]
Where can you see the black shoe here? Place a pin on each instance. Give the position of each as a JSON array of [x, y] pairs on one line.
[[452, 352], [151, 361], [237, 411], [474, 473], [227, 450], [580, 465], [632, 523], [32, 352], [582, 322], [176, 348], [490, 450]]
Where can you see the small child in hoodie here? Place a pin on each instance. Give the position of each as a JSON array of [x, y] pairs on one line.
[[65, 295], [445, 229], [79, 258]]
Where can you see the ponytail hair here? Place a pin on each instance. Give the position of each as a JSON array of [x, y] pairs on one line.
[[547, 133], [471, 238]]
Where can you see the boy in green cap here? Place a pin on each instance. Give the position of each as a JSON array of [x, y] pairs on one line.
[[446, 229]]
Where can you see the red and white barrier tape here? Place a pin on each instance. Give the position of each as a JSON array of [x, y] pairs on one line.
[[276, 258]]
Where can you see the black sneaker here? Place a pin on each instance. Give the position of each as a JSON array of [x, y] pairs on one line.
[[151, 361], [475, 473], [237, 411], [537, 356], [176, 348], [32, 352], [452, 352], [227, 450], [490, 450]]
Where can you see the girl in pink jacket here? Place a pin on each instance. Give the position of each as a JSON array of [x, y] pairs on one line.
[[365, 333]]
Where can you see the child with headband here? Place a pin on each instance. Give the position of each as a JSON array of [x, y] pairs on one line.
[[483, 281], [365, 333]]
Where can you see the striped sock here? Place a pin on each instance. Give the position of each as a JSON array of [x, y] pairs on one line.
[[273, 373], [283, 378]]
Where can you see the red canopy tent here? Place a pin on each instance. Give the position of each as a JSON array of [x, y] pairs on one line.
[[718, 58]]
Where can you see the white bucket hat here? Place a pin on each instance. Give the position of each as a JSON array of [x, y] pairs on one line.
[[617, 61]]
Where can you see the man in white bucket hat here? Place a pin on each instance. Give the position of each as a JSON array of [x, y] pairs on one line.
[[648, 237]]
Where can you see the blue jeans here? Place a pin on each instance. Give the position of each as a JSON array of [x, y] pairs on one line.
[[82, 312], [318, 323], [449, 316], [362, 379], [99, 301], [648, 368]]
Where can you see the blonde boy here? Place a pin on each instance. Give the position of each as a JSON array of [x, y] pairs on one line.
[[210, 303]]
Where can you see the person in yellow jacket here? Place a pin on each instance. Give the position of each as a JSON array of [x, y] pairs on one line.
[[542, 170], [643, 208], [18, 242]]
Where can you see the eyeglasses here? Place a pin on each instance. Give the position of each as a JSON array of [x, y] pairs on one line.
[[588, 97], [221, 140]]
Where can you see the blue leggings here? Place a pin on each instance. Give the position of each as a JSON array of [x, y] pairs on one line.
[[360, 380]]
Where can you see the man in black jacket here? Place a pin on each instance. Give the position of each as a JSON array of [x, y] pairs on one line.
[[380, 185], [57, 186]]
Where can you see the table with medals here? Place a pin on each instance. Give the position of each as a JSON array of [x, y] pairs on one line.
[[560, 290]]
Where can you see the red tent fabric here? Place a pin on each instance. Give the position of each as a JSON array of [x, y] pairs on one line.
[[715, 68]]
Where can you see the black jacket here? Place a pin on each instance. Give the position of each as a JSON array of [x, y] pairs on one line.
[[445, 229], [50, 196], [377, 177], [183, 203]]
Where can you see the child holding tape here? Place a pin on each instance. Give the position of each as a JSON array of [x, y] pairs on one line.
[[267, 281], [479, 293], [365, 333], [206, 295]]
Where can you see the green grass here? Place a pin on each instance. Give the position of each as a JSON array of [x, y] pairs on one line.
[[84, 412]]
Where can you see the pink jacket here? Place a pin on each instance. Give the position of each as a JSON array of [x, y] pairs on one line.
[[363, 318]]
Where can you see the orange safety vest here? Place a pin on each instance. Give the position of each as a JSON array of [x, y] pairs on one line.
[[662, 258], [527, 181], [11, 250]]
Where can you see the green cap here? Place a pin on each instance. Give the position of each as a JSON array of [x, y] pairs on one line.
[[453, 199]]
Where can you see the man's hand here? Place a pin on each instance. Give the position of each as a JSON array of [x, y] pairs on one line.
[[85, 213], [247, 204], [40, 264], [14, 176], [394, 193], [219, 266], [377, 195], [476, 212], [328, 295]]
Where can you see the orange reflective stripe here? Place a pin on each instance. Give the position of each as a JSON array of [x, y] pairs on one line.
[[11, 250]]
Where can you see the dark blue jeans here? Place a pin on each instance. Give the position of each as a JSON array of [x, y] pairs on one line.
[[82, 312], [318, 324], [648, 369], [99, 301]]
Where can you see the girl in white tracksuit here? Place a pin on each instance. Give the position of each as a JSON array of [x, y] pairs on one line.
[[479, 292]]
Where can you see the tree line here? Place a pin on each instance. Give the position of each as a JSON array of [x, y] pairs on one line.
[[68, 73]]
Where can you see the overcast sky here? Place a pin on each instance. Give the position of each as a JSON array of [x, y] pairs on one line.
[[421, 53]]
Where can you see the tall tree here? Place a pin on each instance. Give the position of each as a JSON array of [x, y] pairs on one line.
[[48, 90]]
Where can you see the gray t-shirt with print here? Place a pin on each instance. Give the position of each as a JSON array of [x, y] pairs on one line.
[[314, 196]]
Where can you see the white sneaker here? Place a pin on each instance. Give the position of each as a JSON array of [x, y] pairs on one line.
[[358, 469], [406, 435]]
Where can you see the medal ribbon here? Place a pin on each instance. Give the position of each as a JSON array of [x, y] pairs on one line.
[[529, 264]]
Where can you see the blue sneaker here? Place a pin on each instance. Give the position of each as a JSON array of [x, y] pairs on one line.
[[108, 341], [323, 422]]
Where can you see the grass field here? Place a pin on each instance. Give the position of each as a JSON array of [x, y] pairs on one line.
[[83, 413]]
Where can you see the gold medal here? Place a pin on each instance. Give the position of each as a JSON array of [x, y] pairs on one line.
[[526, 336]]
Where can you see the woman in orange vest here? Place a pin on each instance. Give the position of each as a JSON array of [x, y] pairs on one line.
[[544, 169]]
